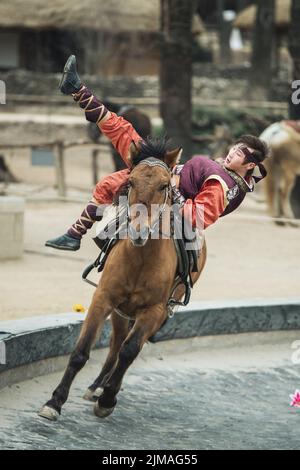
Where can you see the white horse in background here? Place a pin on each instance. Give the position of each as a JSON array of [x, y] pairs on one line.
[[283, 165]]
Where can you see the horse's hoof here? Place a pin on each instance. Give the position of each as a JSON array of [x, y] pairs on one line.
[[89, 395], [102, 412], [92, 395], [279, 223], [98, 392], [294, 224], [49, 413]]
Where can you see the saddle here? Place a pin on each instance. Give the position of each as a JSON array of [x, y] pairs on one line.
[[187, 251]]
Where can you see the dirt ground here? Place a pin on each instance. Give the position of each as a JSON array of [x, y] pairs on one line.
[[246, 259], [212, 392]]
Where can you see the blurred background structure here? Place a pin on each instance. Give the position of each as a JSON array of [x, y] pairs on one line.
[[202, 71]]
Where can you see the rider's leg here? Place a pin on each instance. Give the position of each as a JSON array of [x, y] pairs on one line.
[[103, 194], [106, 189], [85, 221], [71, 240], [119, 131], [71, 84], [95, 111]]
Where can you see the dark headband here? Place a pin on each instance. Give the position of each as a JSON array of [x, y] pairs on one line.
[[251, 158]]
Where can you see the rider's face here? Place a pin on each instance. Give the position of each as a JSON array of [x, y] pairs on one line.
[[235, 159]]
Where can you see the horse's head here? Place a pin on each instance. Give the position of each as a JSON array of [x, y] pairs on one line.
[[149, 186]]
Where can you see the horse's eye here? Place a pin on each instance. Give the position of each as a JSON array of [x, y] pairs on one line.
[[130, 184], [163, 187]]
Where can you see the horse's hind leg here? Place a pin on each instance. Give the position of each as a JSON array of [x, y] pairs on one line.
[[99, 310], [119, 332], [148, 321], [286, 198]]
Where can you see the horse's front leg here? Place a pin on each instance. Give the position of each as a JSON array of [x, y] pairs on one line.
[[99, 310], [119, 332], [148, 321]]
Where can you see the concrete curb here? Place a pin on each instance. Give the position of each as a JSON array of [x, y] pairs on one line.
[[38, 339]]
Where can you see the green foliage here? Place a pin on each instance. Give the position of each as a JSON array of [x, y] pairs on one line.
[[239, 121]]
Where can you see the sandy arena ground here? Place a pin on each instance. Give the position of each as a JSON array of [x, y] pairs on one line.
[[246, 259]]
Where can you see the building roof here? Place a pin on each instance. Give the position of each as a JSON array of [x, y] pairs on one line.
[[246, 18], [104, 15]]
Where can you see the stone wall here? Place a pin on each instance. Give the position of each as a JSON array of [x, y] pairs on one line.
[[210, 81], [27, 342]]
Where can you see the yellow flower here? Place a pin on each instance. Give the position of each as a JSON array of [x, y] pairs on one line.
[[78, 308]]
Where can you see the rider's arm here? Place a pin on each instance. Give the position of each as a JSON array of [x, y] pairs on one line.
[[120, 132], [208, 202]]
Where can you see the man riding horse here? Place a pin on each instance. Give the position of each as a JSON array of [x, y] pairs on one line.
[[218, 188], [138, 307]]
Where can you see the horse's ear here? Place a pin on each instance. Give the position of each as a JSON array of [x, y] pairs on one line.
[[172, 157], [134, 150]]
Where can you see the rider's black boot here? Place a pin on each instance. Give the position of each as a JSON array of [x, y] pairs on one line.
[[70, 81]]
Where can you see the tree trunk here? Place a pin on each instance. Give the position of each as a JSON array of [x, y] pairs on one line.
[[224, 30], [263, 40], [176, 71], [294, 48]]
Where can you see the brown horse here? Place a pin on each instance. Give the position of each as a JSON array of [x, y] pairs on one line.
[[283, 167], [137, 279]]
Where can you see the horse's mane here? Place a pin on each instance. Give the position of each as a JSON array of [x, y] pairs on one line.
[[151, 147]]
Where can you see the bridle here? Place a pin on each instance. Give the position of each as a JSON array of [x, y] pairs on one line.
[[152, 162]]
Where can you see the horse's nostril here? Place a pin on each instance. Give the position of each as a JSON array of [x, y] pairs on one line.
[[139, 241], [139, 233], [133, 235]]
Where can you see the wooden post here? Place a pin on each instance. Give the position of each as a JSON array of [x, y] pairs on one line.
[[60, 169], [261, 73], [225, 28]]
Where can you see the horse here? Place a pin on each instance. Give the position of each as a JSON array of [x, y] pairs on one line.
[[283, 165], [137, 280]]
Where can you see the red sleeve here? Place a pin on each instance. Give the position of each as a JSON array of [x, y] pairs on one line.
[[121, 134], [208, 205]]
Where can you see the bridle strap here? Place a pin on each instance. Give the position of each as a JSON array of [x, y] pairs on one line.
[[152, 162], [161, 210]]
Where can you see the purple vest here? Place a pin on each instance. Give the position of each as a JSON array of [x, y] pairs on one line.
[[196, 171]]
